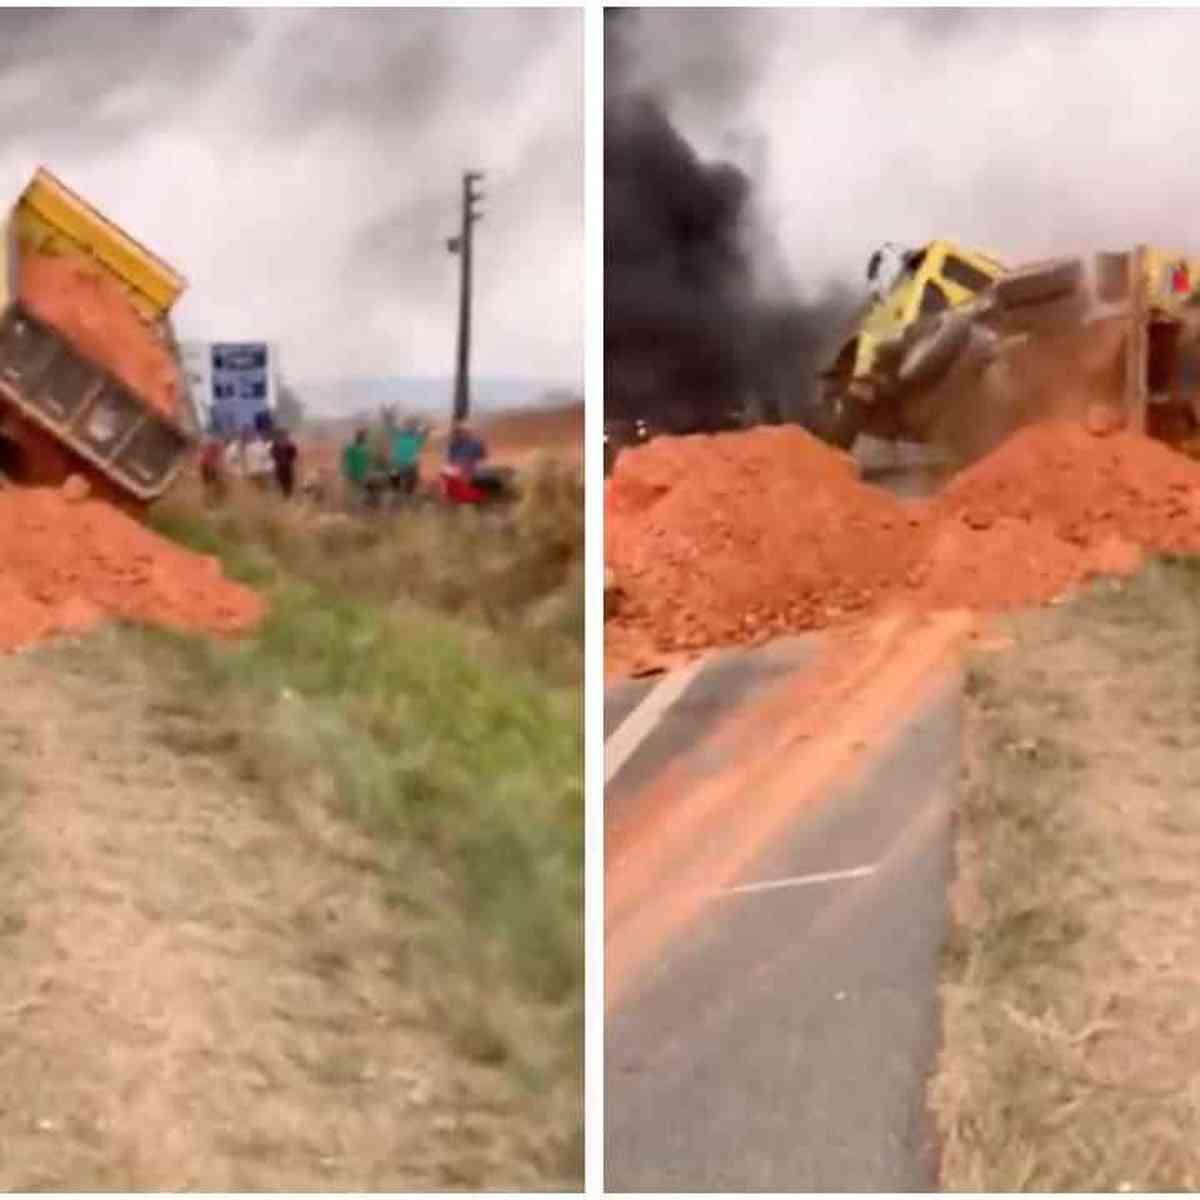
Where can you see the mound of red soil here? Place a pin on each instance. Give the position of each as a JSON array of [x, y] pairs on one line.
[[1054, 505], [69, 562], [736, 537], [1086, 487], [95, 314]]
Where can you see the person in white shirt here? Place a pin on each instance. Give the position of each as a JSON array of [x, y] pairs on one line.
[[259, 465], [235, 457]]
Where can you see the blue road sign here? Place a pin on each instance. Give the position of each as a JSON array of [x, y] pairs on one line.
[[241, 391]]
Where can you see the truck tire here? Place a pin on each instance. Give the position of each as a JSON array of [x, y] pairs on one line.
[[1061, 279], [840, 418], [933, 353]]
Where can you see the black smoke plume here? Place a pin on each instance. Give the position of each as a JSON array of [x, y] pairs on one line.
[[689, 343]]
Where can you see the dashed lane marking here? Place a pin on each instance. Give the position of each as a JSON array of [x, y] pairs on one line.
[[770, 885]]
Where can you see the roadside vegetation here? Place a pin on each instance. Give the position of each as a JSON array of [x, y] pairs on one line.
[[420, 676], [1071, 1045]]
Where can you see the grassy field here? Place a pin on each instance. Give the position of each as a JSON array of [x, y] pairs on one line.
[[1071, 1043], [421, 675]]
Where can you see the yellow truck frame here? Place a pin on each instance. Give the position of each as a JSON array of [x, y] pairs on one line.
[[1157, 292]]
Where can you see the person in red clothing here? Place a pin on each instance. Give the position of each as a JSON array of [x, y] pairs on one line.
[[211, 456]]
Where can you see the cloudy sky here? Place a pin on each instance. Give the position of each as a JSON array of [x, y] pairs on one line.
[[302, 168], [1029, 132]]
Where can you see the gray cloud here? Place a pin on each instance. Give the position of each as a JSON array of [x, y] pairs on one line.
[[302, 168], [92, 77], [390, 69]]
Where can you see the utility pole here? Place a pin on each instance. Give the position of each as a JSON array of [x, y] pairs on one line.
[[461, 245]]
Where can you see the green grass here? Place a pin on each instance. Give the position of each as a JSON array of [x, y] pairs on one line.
[[519, 574], [422, 677]]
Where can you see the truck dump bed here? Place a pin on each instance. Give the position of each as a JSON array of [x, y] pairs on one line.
[[87, 352]]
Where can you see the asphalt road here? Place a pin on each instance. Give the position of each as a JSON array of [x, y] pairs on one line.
[[782, 1042]]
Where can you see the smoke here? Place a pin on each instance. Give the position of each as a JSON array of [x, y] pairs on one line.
[[701, 323], [1028, 133]]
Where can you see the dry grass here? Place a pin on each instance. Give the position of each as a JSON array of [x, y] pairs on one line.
[[516, 572], [345, 853], [1071, 1057], [423, 670], [208, 991]]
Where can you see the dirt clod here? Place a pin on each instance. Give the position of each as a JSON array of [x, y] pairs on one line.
[[1103, 419], [76, 488]]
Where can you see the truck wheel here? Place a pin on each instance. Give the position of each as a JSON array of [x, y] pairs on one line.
[[12, 460], [840, 418], [1061, 279], [933, 354]]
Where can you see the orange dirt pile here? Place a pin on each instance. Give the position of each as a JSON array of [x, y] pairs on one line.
[[94, 313], [728, 539], [736, 537], [68, 562]]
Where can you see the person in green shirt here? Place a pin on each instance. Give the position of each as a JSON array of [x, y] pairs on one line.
[[405, 467], [356, 464]]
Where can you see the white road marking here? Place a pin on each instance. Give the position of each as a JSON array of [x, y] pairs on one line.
[[632, 732], [771, 885]]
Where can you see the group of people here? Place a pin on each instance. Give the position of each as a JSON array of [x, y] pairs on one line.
[[367, 471], [260, 457], [269, 458]]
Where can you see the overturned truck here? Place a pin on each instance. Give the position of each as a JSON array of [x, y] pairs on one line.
[[90, 374], [952, 345]]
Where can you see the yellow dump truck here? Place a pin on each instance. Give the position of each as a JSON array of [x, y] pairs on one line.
[[937, 313], [59, 401], [945, 322]]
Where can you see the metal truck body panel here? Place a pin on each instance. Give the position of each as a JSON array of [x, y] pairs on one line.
[[48, 382], [51, 218]]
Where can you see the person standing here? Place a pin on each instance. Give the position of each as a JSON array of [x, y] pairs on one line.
[[284, 454], [210, 469], [258, 461], [464, 450], [235, 455], [407, 444], [356, 465]]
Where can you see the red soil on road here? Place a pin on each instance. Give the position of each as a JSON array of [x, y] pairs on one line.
[[740, 537], [735, 538], [781, 752]]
